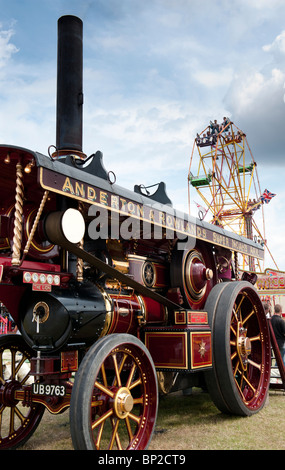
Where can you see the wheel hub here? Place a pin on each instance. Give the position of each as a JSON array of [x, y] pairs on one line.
[[243, 346], [7, 393], [123, 402]]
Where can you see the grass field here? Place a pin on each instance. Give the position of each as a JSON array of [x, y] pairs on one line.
[[188, 423]]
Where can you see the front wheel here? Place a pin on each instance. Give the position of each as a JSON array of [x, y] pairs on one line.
[[239, 381], [115, 396]]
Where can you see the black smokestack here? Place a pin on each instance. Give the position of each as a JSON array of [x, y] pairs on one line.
[[69, 84]]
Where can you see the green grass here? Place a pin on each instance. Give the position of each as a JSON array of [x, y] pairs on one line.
[[188, 423], [193, 422]]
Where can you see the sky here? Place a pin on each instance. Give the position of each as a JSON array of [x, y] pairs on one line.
[[155, 73]]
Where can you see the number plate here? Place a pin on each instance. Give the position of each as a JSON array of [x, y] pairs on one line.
[[48, 389]]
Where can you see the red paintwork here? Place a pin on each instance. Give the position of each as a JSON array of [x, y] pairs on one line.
[[180, 348]]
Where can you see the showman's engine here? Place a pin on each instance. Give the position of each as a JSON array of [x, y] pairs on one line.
[[116, 288]]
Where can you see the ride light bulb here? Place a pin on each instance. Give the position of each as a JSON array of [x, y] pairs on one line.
[[7, 159], [28, 167]]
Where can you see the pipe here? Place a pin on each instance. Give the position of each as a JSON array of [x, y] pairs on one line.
[[69, 84]]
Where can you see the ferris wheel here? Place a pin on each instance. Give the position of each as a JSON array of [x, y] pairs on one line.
[[224, 174]]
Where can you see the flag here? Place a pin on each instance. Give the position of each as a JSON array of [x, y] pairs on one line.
[[266, 196], [201, 210]]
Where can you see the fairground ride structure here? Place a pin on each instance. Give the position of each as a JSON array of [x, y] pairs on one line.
[[224, 174]]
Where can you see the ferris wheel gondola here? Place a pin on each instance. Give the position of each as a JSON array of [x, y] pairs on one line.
[[226, 180]]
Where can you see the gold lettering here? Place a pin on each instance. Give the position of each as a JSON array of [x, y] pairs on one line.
[[131, 207], [79, 189], [162, 218], [103, 198], [67, 187], [91, 194], [169, 221], [140, 210], [178, 224], [190, 228], [123, 203], [114, 202]]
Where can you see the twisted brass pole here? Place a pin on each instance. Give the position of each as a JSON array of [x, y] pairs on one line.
[[36, 221], [18, 224], [79, 264]]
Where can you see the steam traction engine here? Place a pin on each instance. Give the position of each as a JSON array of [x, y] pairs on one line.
[[117, 296]]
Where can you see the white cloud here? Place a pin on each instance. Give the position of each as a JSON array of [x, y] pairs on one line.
[[6, 47], [277, 47], [252, 92], [256, 101], [214, 78], [263, 5], [27, 115]]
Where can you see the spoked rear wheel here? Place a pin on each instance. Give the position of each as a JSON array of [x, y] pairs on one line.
[[17, 421], [239, 381], [115, 396]]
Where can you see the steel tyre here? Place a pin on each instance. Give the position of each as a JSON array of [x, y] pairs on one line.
[[239, 380]]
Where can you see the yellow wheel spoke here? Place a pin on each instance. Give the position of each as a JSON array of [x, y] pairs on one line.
[[135, 383], [238, 308], [254, 364], [104, 389], [119, 369], [233, 330], [19, 414], [255, 338], [99, 436], [96, 403], [248, 317], [130, 378], [138, 401], [234, 355], [13, 364], [104, 375], [128, 425], [115, 435], [20, 365], [118, 378], [249, 384], [102, 418], [244, 378], [12, 420], [134, 417]]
